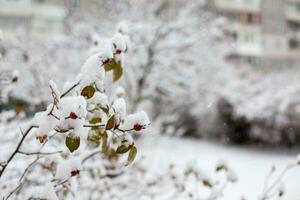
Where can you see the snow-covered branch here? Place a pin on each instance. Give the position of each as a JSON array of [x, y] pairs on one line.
[[84, 115]]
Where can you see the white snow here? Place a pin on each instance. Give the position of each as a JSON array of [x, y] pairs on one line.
[[65, 167], [140, 118], [54, 89], [119, 92], [92, 70], [99, 99], [119, 107], [75, 104], [120, 42], [44, 122], [251, 165]]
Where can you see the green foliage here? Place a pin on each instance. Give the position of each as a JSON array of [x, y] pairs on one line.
[[104, 144], [132, 155], [88, 92], [116, 67], [117, 73], [123, 148], [110, 123], [95, 120], [72, 142]]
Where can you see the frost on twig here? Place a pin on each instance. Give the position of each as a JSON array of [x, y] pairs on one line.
[[275, 189], [85, 120]]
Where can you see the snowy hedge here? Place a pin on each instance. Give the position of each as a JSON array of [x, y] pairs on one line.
[[268, 104]]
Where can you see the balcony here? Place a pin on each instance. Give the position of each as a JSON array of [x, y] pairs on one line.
[[238, 5], [292, 12]]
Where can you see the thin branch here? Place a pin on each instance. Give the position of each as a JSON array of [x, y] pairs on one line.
[[125, 130], [94, 125], [69, 90], [51, 114], [28, 167], [115, 134], [268, 178], [39, 153], [265, 195], [16, 150], [63, 182], [89, 156], [12, 192], [21, 131]]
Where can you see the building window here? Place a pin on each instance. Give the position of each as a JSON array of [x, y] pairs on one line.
[[294, 43]]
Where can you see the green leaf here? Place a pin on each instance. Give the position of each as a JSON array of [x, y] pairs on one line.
[[105, 109], [123, 148], [116, 67], [111, 65], [95, 120], [88, 91], [110, 123], [132, 155], [104, 144], [72, 142], [117, 73]]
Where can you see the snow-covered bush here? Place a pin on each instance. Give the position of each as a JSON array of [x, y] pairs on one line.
[[38, 59], [83, 118], [171, 89], [158, 30], [169, 182], [269, 106]]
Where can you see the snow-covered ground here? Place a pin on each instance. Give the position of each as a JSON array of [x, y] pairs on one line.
[[251, 165]]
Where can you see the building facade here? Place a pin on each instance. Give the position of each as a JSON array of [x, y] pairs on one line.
[[32, 16], [266, 32]]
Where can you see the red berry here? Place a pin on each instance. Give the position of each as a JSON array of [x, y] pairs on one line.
[[74, 172], [118, 51], [105, 61], [137, 127], [73, 115]]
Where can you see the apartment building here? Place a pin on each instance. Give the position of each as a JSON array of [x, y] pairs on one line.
[[266, 32], [33, 16]]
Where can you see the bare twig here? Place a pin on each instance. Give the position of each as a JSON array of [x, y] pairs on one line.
[[16, 150], [94, 125], [63, 182], [39, 153], [89, 156], [28, 167], [12, 192], [268, 190], [69, 90]]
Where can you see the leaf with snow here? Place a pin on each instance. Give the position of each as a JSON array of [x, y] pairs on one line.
[[72, 142], [114, 65], [123, 149], [110, 123], [88, 92], [95, 120], [117, 73], [131, 155]]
